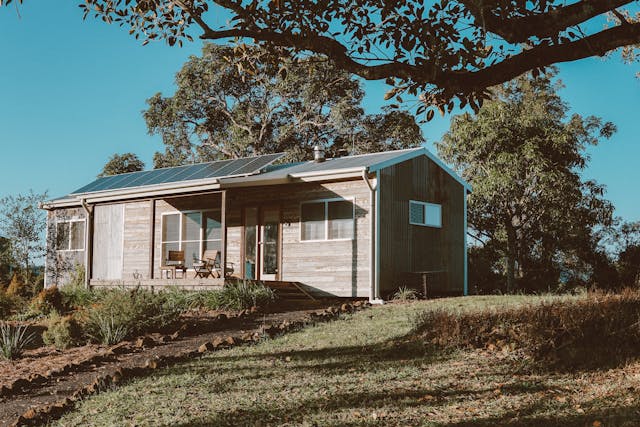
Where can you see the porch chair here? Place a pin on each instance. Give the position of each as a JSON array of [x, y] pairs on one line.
[[173, 263], [209, 265]]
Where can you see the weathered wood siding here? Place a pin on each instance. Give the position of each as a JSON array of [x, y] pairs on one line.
[[108, 235], [136, 240], [60, 264], [327, 267], [407, 248]]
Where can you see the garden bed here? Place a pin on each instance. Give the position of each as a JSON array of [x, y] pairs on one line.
[[46, 382]]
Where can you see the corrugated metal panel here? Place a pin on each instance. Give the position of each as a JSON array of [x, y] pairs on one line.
[[257, 169]]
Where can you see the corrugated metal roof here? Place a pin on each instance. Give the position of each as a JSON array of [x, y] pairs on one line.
[[227, 174], [340, 163]]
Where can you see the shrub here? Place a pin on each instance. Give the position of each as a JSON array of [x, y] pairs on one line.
[[240, 295], [47, 301], [598, 331], [17, 286], [405, 294], [13, 340], [62, 331], [130, 313], [9, 304], [78, 296]]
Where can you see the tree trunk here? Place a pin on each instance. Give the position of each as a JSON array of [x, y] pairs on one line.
[[511, 257]]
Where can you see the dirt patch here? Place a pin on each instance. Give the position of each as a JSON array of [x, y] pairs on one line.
[[58, 379]]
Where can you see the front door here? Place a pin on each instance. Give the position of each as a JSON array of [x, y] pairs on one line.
[[262, 243]]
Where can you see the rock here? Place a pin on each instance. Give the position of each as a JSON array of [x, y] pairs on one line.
[[145, 342], [217, 342], [151, 364], [30, 414], [120, 348], [206, 347], [345, 307]]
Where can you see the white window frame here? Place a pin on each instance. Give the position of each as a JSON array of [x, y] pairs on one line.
[[84, 234], [326, 219], [203, 230], [425, 205]]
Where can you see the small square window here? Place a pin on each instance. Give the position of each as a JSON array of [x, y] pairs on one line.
[[425, 214], [70, 235]]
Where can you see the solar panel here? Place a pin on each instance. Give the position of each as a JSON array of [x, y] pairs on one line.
[[218, 169]]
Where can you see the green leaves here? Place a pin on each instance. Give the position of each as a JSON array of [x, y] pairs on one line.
[[244, 100], [523, 157]]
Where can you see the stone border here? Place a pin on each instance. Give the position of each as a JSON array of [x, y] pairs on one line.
[[117, 375]]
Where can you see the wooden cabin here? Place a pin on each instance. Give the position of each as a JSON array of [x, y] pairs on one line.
[[357, 226]]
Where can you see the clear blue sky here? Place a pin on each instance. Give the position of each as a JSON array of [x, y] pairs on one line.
[[72, 92]]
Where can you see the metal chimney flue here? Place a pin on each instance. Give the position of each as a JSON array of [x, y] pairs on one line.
[[318, 154]]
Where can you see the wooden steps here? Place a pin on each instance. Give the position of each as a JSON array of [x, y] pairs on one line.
[[289, 290]]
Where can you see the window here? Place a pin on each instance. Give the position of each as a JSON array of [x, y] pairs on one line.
[[70, 235], [427, 214], [326, 220], [192, 232]]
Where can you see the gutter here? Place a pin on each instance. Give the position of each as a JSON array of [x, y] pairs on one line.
[[374, 247], [87, 240]]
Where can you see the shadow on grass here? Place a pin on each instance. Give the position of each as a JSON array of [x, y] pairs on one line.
[[302, 413], [334, 360]]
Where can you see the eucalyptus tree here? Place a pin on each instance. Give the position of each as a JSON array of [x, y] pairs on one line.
[[524, 158], [246, 100], [442, 49], [122, 163], [23, 224]]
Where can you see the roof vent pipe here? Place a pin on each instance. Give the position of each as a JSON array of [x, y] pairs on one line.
[[318, 154]]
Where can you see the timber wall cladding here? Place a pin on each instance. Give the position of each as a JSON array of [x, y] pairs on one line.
[[108, 231], [336, 267], [136, 240], [406, 248], [59, 264]]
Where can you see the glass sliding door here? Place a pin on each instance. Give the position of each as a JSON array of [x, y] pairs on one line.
[[261, 243], [270, 243], [250, 243]]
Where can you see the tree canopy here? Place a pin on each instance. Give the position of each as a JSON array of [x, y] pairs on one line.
[[523, 156], [122, 163], [243, 101], [23, 223], [444, 49]]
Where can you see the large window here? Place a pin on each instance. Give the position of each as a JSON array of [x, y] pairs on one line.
[[426, 214], [191, 232], [70, 235], [326, 220]]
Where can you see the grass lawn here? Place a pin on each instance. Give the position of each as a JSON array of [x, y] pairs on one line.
[[365, 370]]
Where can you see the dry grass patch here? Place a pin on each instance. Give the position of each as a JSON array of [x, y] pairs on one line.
[[365, 369]]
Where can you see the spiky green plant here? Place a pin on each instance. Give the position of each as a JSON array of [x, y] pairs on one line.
[[405, 294], [13, 340]]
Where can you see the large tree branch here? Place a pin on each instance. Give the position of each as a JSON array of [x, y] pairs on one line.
[[451, 82], [541, 56], [323, 45], [541, 25]]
